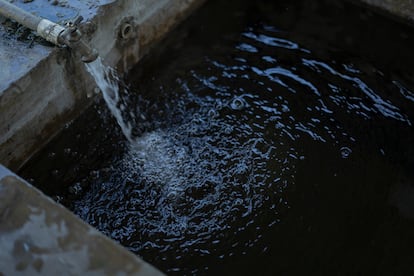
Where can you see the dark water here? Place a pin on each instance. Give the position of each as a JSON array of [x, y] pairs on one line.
[[271, 138]]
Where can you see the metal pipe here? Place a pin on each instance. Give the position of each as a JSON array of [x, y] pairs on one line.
[[52, 32], [11, 11]]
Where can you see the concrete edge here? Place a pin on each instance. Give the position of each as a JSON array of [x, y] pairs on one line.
[[400, 10], [39, 236]]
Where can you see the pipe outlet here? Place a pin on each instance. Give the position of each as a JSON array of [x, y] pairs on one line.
[[127, 31]]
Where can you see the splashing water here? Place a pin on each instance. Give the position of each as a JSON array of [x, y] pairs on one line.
[[244, 129], [109, 83]]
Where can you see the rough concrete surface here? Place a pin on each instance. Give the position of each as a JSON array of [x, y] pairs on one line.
[[399, 8], [40, 237]]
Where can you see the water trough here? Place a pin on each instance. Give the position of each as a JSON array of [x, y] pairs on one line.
[[42, 89]]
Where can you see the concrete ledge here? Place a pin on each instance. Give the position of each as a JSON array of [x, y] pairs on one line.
[[40, 237]]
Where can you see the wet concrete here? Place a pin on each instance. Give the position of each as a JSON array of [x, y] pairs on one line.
[[38, 236]]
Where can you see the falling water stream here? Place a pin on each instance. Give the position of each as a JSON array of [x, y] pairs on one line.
[[274, 138], [109, 84]]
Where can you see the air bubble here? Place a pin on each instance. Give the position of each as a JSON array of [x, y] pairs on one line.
[[238, 103], [212, 113], [345, 152], [75, 189]]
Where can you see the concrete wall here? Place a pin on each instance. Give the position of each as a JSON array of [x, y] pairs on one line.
[[44, 91]]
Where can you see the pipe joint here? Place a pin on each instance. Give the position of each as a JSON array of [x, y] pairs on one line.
[[50, 31]]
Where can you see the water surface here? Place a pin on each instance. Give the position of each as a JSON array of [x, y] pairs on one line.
[[270, 138]]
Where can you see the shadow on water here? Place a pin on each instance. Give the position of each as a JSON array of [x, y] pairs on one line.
[[271, 138]]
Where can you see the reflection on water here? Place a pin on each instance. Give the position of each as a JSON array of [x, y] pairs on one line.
[[255, 152]]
